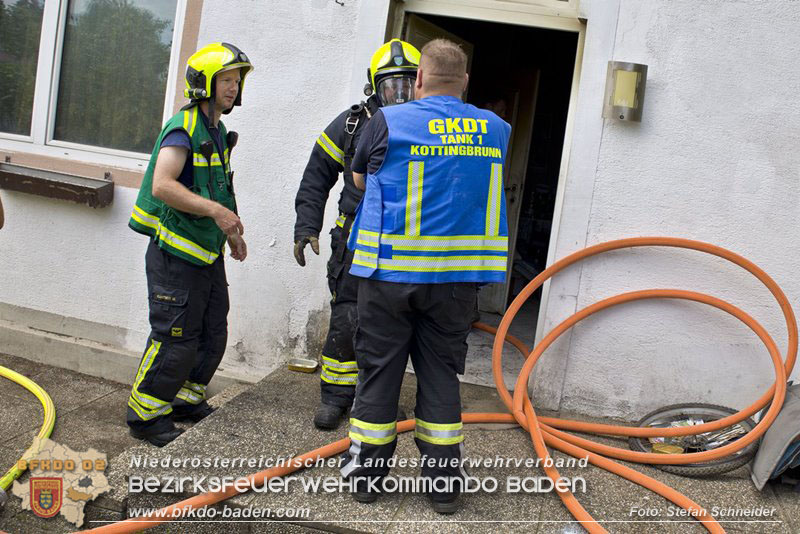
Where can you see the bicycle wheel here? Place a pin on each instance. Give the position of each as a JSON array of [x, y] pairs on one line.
[[689, 415]]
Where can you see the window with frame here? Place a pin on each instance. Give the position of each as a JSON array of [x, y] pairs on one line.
[[88, 75]]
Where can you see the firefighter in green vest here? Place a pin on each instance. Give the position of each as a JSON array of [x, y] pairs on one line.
[[186, 205]]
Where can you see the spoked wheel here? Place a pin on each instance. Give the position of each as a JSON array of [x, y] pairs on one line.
[[678, 415]]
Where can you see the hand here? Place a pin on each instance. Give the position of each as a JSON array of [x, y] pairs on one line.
[[228, 221], [238, 247], [300, 244]]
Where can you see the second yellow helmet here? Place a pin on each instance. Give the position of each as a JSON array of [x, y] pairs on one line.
[[392, 72]]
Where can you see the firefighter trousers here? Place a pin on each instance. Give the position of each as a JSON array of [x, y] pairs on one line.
[[189, 330], [429, 323], [339, 368]]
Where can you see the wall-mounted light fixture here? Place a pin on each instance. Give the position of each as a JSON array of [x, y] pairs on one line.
[[624, 91]]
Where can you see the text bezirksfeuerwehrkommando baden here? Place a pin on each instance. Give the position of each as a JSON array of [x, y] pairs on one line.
[[266, 462]]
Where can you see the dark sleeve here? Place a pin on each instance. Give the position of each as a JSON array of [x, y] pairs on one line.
[[321, 173], [177, 138], [372, 146], [181, 138]]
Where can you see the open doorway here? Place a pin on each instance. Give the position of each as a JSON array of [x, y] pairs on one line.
[[524, 74]]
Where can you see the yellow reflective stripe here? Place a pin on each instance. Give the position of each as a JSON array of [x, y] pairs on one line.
[[445, 248], [199, 160], [373, 433], [368, 239], [146, 406], [337, 365], [144, 215], [445, 259], [144, 366], [190, 120], [184, 245], [147, 414], [439, 433], [367, 259], [493, 200], [416, 171], [399, 238], [446, 243], [189, 396], [330, 147], [340, 221], [370, 440], [439, 441], [380, 427], [444, 263], [138, 410], [194, 120], [200, 389], [145, 222], [413, 269], [340, 380], [439, 426], [423, 243]]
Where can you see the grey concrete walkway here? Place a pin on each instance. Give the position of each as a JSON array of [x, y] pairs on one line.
[[273, 419]]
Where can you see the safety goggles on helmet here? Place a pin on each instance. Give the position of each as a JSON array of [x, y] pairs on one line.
[[392, 72], [396, 89]]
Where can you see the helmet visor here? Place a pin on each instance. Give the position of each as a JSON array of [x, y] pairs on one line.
[[396, 90]]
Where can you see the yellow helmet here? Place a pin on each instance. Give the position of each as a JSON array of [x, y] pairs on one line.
[[392, 72], [209, 61]]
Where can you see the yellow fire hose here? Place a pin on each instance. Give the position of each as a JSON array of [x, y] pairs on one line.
[[44, 432]]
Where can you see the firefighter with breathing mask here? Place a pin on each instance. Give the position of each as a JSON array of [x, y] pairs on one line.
[[391, 76]]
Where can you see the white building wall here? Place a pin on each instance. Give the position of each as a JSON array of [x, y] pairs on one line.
[[305, 67], [714, 159], [81, 263]]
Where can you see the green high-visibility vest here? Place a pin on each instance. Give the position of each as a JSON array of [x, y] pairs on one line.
[[195, 239]]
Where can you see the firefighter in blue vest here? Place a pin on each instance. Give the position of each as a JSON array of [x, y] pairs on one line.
[[391, 75], [430, 228], [187, 207]]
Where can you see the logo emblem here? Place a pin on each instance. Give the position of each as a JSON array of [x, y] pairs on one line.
[[46, 496], [398, 60]]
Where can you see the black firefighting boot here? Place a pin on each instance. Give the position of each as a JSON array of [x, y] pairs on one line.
[[190, 413], [328, 416]]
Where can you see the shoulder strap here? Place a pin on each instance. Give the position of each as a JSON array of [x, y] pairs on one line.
[[351, 126]]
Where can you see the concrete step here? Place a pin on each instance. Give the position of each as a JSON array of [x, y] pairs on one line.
[[113, 506]]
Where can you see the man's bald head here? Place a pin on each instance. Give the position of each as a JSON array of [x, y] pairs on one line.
[[443, 68]]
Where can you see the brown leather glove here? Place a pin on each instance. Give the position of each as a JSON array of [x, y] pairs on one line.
[[300, 245]]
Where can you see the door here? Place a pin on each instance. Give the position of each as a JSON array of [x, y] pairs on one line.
[[419, 31], [493, 297], [520, 104]]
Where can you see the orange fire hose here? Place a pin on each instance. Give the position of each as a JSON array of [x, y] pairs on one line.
[[547, 431]]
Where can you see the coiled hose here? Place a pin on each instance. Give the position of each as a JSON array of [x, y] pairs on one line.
[[44, 432], [549, 431]]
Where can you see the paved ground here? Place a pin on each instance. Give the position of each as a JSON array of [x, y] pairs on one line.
[[272, 419]]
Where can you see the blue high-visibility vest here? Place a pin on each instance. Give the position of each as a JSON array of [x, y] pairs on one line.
[[435, 211]]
